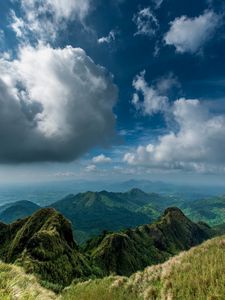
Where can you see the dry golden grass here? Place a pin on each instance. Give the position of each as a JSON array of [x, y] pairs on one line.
[[198, 274], [16, 285]]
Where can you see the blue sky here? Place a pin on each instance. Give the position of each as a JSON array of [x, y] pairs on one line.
[[112, 89]]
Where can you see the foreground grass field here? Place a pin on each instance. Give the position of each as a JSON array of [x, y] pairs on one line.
[[15, 284], [196, 274]]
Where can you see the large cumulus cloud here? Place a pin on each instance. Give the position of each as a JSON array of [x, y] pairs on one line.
[[197, 142], [54, 105]]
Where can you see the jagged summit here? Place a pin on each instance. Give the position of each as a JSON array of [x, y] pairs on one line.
[[136, 191], [43, 243], [173, 211], [134, 249]]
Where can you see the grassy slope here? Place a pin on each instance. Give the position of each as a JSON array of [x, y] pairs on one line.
[[196, 274], [15, 284]]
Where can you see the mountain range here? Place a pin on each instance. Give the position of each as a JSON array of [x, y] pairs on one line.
[[131, 242], [198, 271], [43, 244], [92, 212]]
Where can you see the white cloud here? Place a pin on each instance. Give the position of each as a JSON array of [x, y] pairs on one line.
[[44, 19], [146, 22], [191, 34], [166, 83], [153, 101], [196, 143], [109, 38], [54, 105], [18, 25], [91, 168], [157, 3], [101, 159]]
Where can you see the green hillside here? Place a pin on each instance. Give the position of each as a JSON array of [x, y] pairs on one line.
[[93, 212], [196, 274], [17, 210], [126, 252], [210, 210], [43, 244]]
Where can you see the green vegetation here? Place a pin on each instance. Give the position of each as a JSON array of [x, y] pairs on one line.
[[95, 290], [210, 210], [43, 244], [195, 274], [17, 210], [15, 284], [92, 212], [125, 252]]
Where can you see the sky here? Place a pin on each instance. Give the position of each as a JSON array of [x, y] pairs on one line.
[[112, 90]]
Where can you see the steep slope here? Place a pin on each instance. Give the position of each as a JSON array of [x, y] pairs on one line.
[[194, 274], [43, 244], [15, 284], [126, 252], [93, 212], [17, 210]]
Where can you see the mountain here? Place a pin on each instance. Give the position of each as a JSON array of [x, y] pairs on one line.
[[129, 251], [145, 185], [210, 210], [17, 210], [93, 212], [194, 274], [43, 244]]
